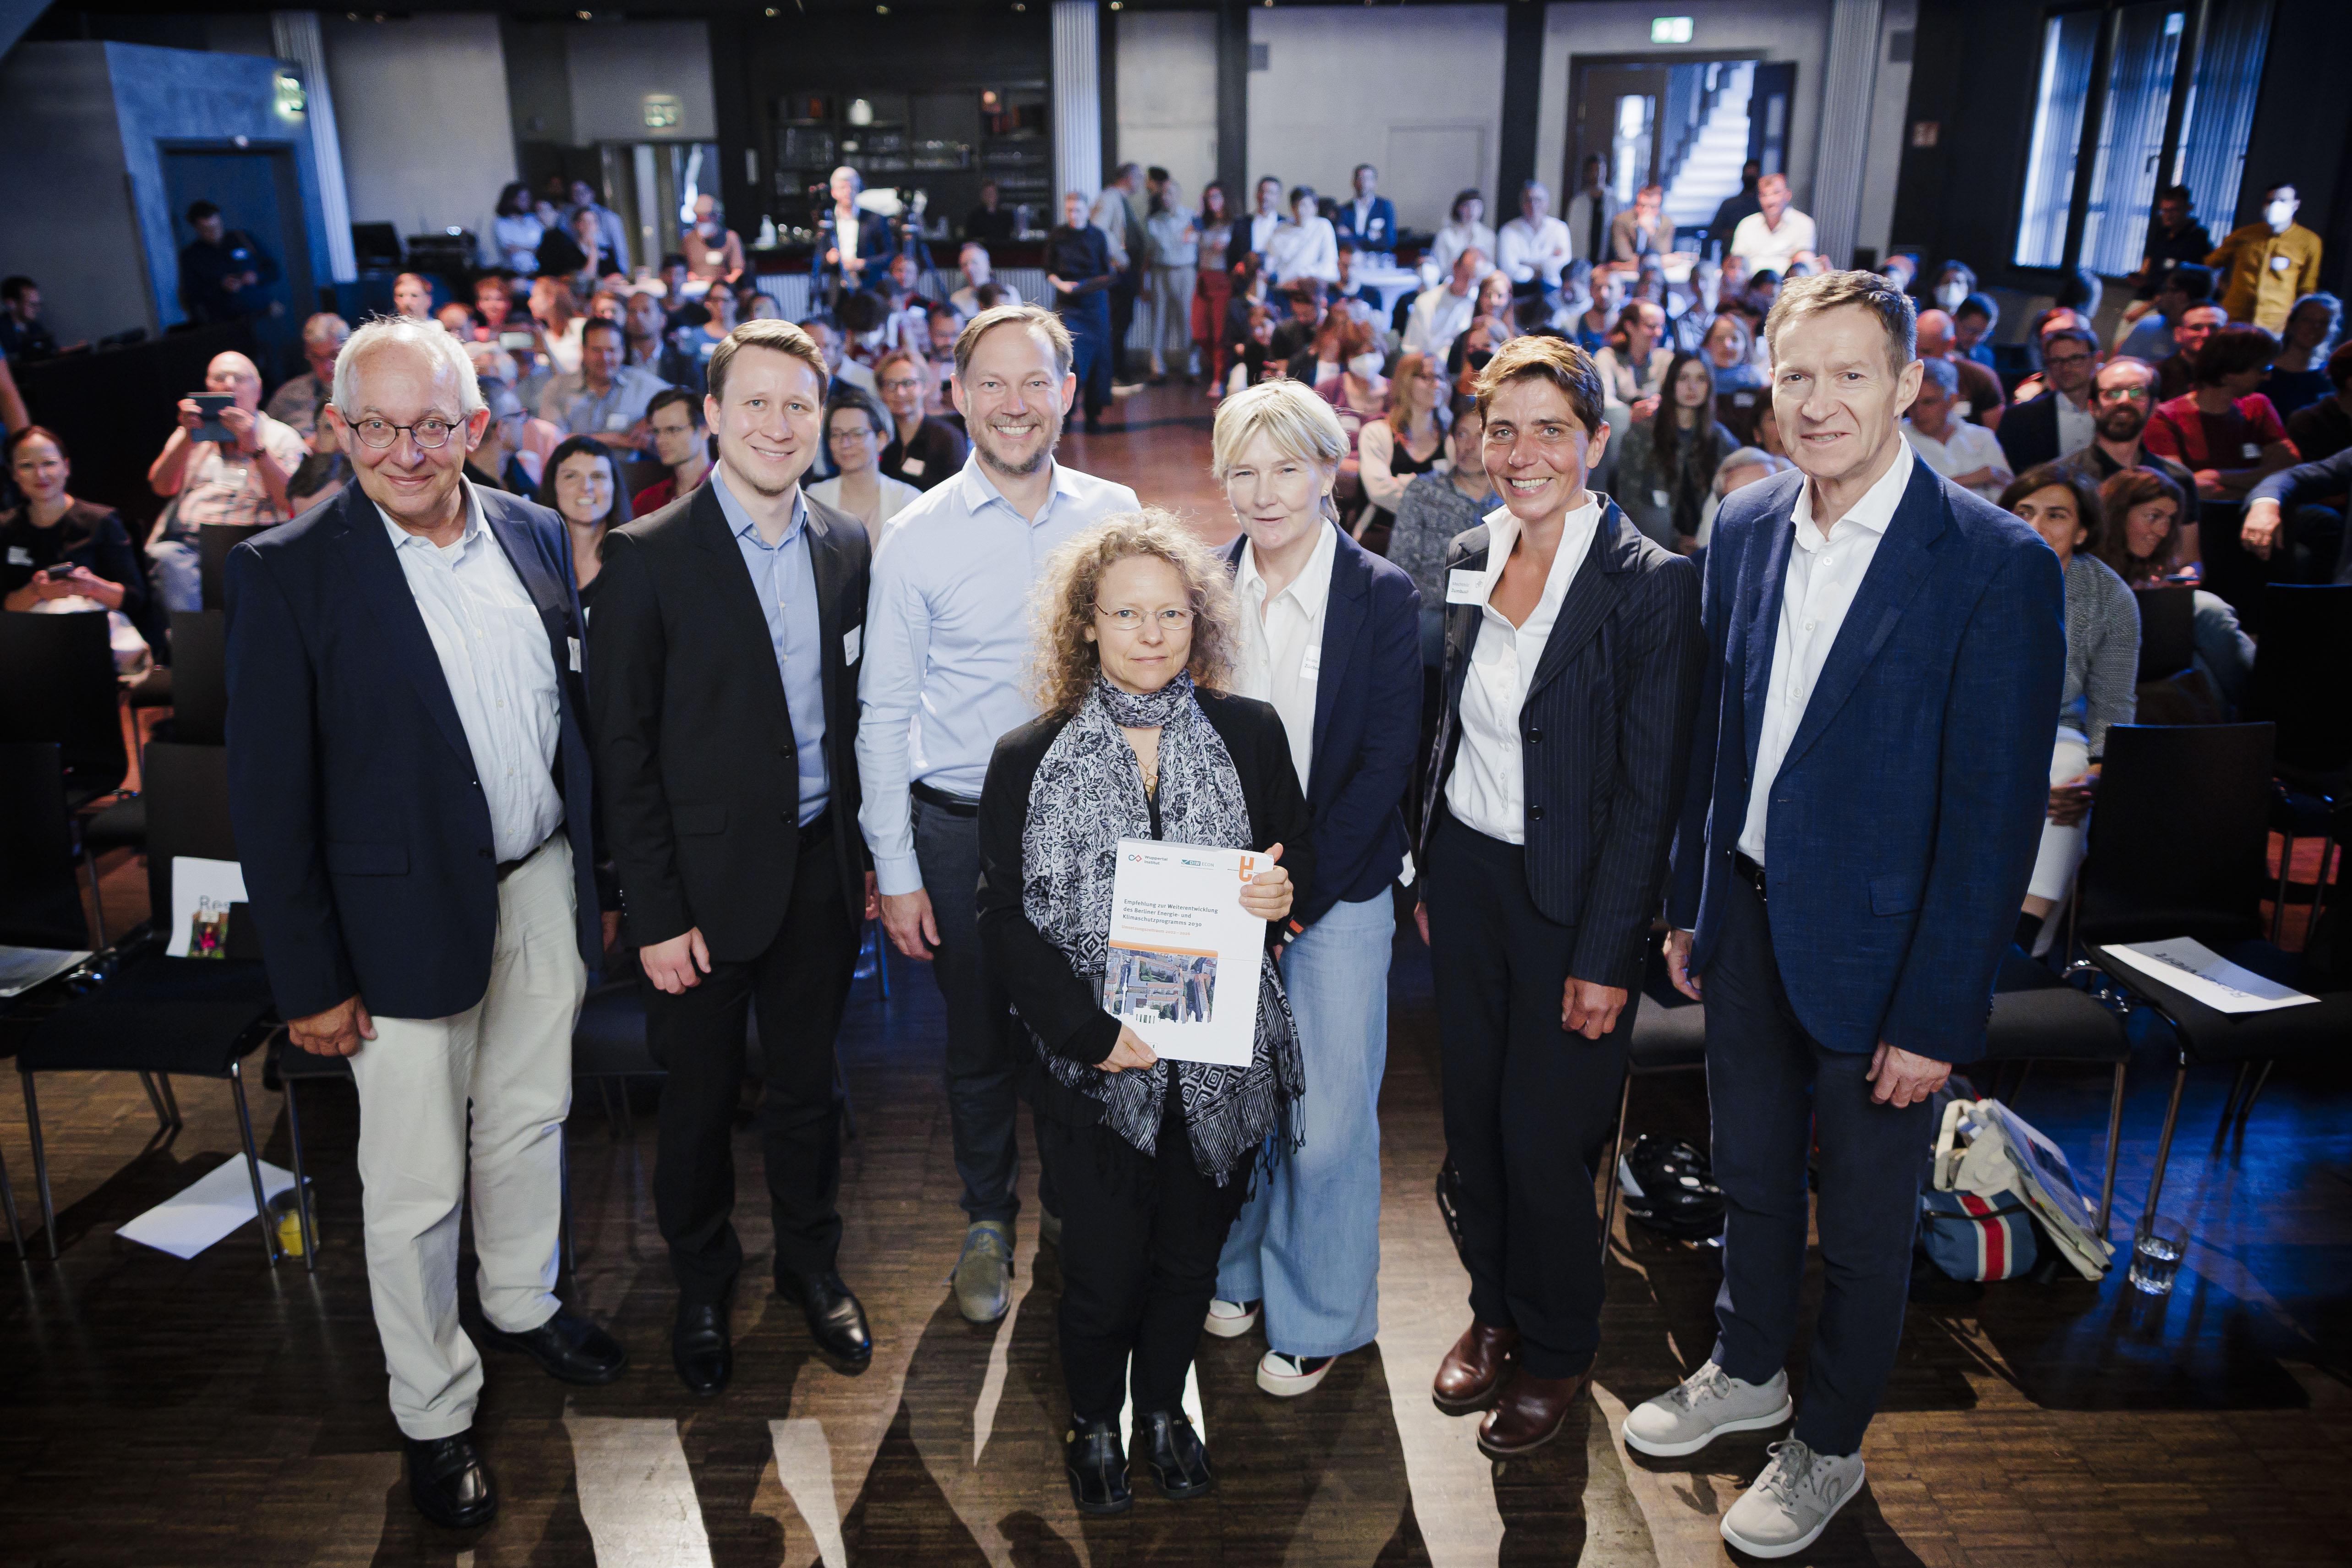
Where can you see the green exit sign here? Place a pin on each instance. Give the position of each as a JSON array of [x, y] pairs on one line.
[[1670, 29]]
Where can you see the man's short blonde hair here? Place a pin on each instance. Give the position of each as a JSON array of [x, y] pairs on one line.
[[1299, 424], [1063, 662], [1036, 318], [782, 336], [1799, 297]]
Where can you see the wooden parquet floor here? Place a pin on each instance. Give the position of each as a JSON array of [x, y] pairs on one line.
[[216, 1413]]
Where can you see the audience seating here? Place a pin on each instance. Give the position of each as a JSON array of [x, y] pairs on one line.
[[2168, 631], [198, 1017], [2301, 682], [214, 541], [61, 686], [40, 901]]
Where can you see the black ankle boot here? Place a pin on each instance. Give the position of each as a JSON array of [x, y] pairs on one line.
[[1166, 1441], [1098, 1467]]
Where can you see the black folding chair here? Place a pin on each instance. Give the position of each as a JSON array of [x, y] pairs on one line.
[[159, 1015], [214, 541], [58, 683], [2301, 682], [2168, 631]]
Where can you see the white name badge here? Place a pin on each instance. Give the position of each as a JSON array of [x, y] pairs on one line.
[[2253, 451], [911, 466], [1660, 497], [853, 642], [1743, 400], [2280, 263], [1963, 408], [616, 422], [1311, 665], [1465, 588], [19, 556], [574, 644]]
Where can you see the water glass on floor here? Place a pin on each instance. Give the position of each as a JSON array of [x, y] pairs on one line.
[[2155, 1257]]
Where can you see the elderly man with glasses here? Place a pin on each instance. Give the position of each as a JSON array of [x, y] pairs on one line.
[[411, 789], [241, 480]]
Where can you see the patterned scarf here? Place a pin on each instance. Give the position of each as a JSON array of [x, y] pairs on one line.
[[1088, 795]]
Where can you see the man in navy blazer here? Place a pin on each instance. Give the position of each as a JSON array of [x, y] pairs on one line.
[[410, 788], [1866, 797], [1369, 218]]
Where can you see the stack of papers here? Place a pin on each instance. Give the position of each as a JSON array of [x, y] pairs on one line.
[[2199, 972]]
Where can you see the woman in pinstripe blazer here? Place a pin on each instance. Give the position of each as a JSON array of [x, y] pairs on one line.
[[1572, 658]]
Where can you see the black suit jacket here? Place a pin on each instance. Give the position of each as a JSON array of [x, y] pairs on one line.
[[694, 739], [359, 818], [1604, 736], [2028, 433]]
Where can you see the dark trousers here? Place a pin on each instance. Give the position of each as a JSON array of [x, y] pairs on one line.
[[1126, 285], [1526, 1104], [1092, 355], [1140, 1236], [987, 1050], [799, 986], [1773, 1093]]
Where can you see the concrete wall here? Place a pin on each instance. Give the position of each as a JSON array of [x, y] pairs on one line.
[[58, 122], [421, 106], [612, 69], [1166, 94], [1418, 92], [1888, 130]]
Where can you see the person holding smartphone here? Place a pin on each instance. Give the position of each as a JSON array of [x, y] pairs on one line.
[[55, 547], [230, 468]]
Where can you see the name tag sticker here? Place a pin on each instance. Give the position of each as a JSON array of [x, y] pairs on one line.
[[616, 422], [911, 466], [1743, 400], [2253, 451], [1963, 408], [2280, 263], [1312, 665], [853, 642], [1660, 497], [19, 556], [574, 644], [1465, 588]]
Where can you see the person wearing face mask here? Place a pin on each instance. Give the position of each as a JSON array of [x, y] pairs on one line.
[[1981, 400], [1305, 246], [1329, 634], [714, 253], [2266, 267], [584, 488], [1667, 462], [1571, 673], [1955, 282]]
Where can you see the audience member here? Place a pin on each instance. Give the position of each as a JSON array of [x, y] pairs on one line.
[[714, 252], [645, 329], [1747, 465], [1592, 209], [2147, 330], [1464, 230], [1440, 314], [23, 338], [1079, 272], [2298, 376], [1533, 246], [499, 460], [1436, 507], [612, 233], [2176, 374], [411, 295], [1171, 239], [850, 241], [675, 420], [2288, 512], [1901, 269], [512, 242], [1737, 206], [1303, 320], [978, 272], [1469, 358], [1982, 401], [1632, 365], [1603, 300], [2102, 679], [2266, 267], [1305, 246], [1776, 236], [1731, 352], [1969, 455], [55, 547], [1955, 282], [1254, 234], [556, 310], [584, 488], [242, 480], [223, 270], [494, 309], [1213, 284], [2324, 429], [1253, 356], [2125, 393], [718, 322], [607, 398], [297, 405], [2061, 421], [1348, 286], [944, 326], [2142, 508], [1641, 230], [844, 371], [1369, 218], [865, 322], [923, 451], [856, 431], [2224, 431], [1355, 389], [1408, 441], [990, 223], [2174, 240], [1666, 463], [1972, 326], [1686, 329]]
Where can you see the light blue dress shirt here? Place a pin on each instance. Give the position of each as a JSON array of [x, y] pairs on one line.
[[946, 644], [785, 580]]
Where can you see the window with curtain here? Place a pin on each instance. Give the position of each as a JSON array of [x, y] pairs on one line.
[[2220, 112], [2068, 43], [2131, 136]]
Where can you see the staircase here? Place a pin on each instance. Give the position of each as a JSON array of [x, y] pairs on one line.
[[1708, 173]]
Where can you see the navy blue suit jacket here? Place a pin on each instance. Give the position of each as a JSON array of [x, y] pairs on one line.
[[361, 824], [2028, 433], [1367, 728], [1906, 815], [1379, 231]]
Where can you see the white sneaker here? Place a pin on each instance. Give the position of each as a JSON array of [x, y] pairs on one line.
[[1701, 1408], [1792, 1501], [1231, 1319], [1289, 1376]]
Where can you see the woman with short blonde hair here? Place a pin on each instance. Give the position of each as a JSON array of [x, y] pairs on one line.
[[1149, 1159]]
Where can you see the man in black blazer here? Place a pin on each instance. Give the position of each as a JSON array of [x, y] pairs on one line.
[[2064, 420], [724, 682], [411, 794]]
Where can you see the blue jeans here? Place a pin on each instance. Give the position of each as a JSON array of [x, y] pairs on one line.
[[1309, 1242]]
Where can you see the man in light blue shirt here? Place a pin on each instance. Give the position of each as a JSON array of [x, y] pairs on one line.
[[948, 638], [785, 583]]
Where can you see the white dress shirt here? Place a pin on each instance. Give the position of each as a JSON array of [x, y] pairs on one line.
[[1456, 237], [1823, 576], [1767, 248], [495, 655], [1281, 642], [2077, 426], [1263, 226], [1310, 249], [1488, 790], [1533, 251], [1962, 449], [1438, 316]]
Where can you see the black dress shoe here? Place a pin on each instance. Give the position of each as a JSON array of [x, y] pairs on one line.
[[835, 1321], [1098, 1467], [1180, 1466], [570, 1348], [448, 1482], [700, 1347]]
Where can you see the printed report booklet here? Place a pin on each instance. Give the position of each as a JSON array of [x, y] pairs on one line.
[[1184, 955]]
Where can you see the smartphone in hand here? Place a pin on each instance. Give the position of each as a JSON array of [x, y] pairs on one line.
[[211, 404]]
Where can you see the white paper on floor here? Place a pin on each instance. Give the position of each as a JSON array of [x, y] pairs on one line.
[[220, 1201], [804, 1466], [636, 1492]]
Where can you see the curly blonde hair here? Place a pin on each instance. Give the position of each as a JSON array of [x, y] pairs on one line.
[[1064, 663]]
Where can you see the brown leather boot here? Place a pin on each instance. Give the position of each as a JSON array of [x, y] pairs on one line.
[[1467, 1378], [1529, 1412]]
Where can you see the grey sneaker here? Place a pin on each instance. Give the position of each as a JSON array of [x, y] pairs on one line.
[[983, 1275], [1702, 1407], [1792, 1501]]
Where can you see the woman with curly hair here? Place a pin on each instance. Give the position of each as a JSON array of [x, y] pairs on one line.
[[1138, 738]]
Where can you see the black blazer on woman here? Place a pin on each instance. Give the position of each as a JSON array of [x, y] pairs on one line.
[[1059, 1007], [693, 738], [1604, 738]]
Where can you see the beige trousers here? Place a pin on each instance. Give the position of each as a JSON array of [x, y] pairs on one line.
[[509, 1059]]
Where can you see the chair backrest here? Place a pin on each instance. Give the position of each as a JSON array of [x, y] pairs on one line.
[[200, 677], [186, 791], [40, 899], [57, 684], [214, 541], [2178, 834], [2303, 675], [2168, 631]]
